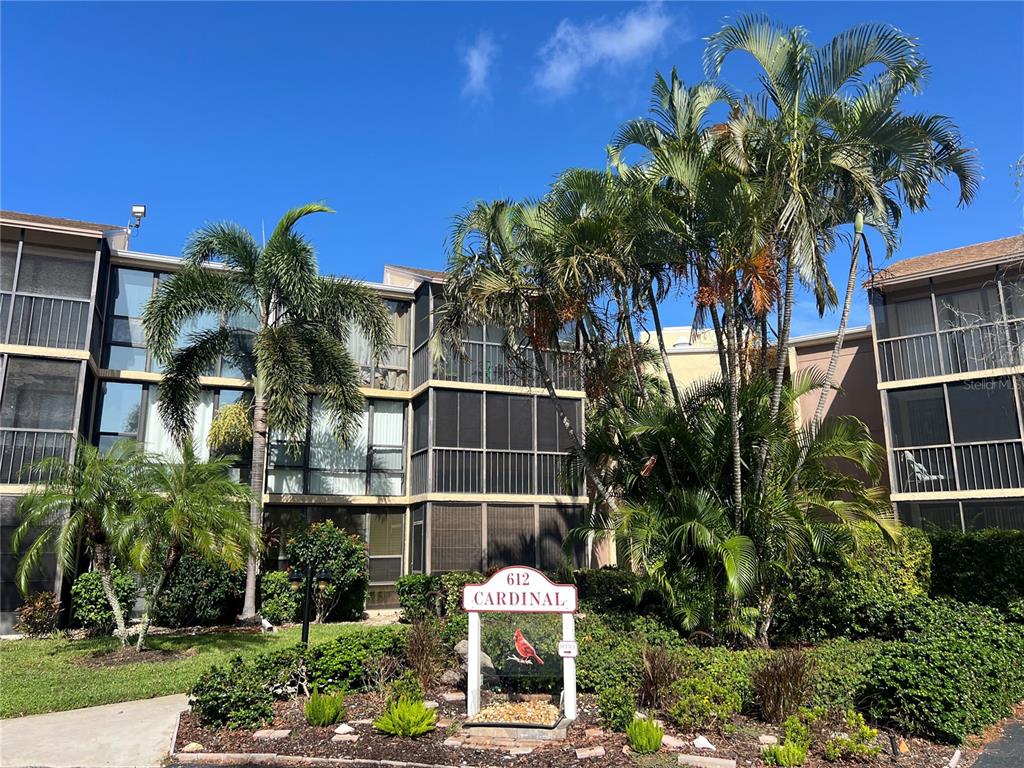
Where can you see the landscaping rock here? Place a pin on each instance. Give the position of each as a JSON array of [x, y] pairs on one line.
[[451, 741], [520, 751], [704, 761], [672, 742], [193, 746], [348, 738], [452, 677], [362, 722], [453, 697], [272, 734], [702, 743], [486, 665], [593, 733], [430, 704], [344, 728], [444, 722], [585, 753], [767, 739]]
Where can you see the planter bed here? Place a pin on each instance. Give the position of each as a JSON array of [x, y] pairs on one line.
[[741, 743]]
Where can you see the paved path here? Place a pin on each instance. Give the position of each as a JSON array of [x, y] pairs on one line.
[[1007, 752], [133, 734]]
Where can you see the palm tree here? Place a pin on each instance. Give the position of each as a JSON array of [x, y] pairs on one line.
[[85, 498], [282, 323], [191, 505]]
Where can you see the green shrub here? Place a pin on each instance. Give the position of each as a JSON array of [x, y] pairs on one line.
[[407, 719], [200, 593], [859, 743], [234, 695], [324, 709], [644, 736], [338, 664], [796, 740], [419, 596], [616, 706], [701, 702], [89, 604], [343, 556], [279, 604], [611, 645], [280, 670], [841, 669], [407, 687], [953, 670], [784, 755], [38, 615], [451, 589], [980, 567], [733, 670], [851, 597]]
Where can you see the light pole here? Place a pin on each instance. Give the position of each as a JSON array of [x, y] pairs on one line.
[[295, 579]]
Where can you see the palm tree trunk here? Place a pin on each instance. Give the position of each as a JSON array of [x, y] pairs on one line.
[[588, 469], [170, 561], [259, 460], [767, 607], [661, 346], [734, 412], [101, 560]]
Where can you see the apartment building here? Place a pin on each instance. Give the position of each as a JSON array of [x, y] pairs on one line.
[[458, 464]]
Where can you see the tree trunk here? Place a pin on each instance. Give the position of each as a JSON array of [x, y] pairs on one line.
[[170, 561], [599, 486], [661, 347], [101, 560], [256, 480], [734, 411], [767, 607]]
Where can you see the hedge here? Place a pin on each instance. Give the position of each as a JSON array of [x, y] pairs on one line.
[[200, 593], [985, 567]]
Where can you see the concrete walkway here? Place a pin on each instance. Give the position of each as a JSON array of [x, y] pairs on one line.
[[1007, 752], [133, 734]]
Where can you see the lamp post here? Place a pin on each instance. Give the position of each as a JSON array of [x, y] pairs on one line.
[[295, 579]]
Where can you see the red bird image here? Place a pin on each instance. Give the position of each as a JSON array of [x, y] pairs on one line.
[[524, 649]]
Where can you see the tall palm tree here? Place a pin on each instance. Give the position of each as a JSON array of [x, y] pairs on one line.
[[190, 505], [283, 324], [84, 499]]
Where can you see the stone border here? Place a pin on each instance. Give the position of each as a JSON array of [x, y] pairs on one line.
[[174, 733], [274, 760]]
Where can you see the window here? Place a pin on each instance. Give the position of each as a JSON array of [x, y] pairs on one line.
[[387, 452], [509, 422], [918, 416], [126, 341], [55, 273], [39, 394], [336, 468], [995, 513], [905, 318], [422, 331], [927, 515], [983, 410], [159, 440], [385, 536], [420, 423], [8, 257], [457, 419], [511, 535], [120, 412], [552, 436], [455, 537], [969, 308]]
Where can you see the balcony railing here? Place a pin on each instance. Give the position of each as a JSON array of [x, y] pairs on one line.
[[474, 470], [952, 350], [21, 449], [991, 465], [488, 363], [45, 321]]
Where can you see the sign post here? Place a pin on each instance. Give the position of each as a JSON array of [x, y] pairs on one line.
[[519, 589]]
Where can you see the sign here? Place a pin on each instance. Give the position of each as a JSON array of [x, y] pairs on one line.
[[519, 589]]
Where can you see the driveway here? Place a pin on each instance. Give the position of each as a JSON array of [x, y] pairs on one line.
[[133, 734], [1007, 752]]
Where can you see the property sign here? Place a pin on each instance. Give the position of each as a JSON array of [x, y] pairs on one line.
[[519, 589]]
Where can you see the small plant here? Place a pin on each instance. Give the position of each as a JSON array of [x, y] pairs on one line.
[[324, 708], [644, 736], [783, 683], [658, 670], [699, 702], [423, 652], [616, 706], [796, 741], [380, 671], [234, 695], [860, 742], [407, 719], [38, 616], [785, 755], [407, 687]]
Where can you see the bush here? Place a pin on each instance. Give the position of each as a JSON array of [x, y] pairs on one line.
[[785, 755], [423, 652], [610, 647], [199, 593], [234, 695], [38, 616], [836, 597], [343, 556], [840, 674], [733, 670], [419, 596], [339, 664], [405, 686], [324, 709], [952, 670], [280, 670], [658, 670], [407, 719], [644, 736], [615, 590], [783, 684], [984, 567], [700, 702], [616, 706], [796, 741], [278, 603], [89, 604], [451, 589], [859, 744]]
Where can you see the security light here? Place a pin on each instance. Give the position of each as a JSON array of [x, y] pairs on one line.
[[138, 213]]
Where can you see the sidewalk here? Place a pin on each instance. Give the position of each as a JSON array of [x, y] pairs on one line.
[[132, 734], [1007, 752]]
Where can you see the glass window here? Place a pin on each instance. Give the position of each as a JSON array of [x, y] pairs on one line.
[[119, 408], [230, 396], [127, 330], [905, 318], [422, 315], [968, 308], [420, 424], [132, 290], [398, 312], [55, 274], [159, 440], [995, 513], [39, 394], [982, 410], [1013, 297], [918, 416], [125, 358]]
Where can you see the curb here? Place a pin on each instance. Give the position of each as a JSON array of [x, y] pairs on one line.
[[274, 760]]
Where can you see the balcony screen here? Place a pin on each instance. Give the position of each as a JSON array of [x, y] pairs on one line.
[[39, 394], [918, 417], [983, 410]]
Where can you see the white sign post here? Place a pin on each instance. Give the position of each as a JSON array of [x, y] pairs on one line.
[[519, 589]]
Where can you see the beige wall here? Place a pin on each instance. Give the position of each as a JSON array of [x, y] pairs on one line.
[[692, 357]]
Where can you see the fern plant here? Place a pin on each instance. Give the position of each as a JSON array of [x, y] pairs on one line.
[[788, 755], [325, 709], [407, 719], [644, 736]]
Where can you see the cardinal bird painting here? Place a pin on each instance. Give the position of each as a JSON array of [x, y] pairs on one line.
[[526, 652]]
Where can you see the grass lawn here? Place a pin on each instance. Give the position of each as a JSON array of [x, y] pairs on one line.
[[45, 676]]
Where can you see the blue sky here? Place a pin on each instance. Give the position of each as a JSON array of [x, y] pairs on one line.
[[399, 115]]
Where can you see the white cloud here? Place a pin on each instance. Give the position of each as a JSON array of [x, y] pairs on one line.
[[574, 48], [478, 59]]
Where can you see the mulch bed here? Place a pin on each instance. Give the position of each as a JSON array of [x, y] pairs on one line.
[[308, 741], [123, 656]]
